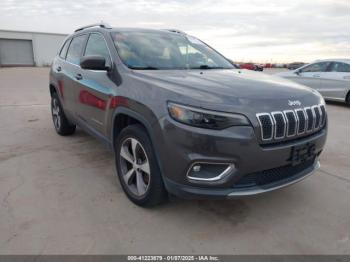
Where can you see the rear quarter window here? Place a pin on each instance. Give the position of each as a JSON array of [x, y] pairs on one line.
[[64, 49]]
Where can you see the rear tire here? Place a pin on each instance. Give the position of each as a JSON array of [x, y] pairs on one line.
[[137, 167], [62, 126]]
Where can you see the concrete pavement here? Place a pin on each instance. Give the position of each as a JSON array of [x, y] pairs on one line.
[[59, 195]]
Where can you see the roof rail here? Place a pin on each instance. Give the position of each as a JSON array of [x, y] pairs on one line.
[[176, 31], [102, 25]]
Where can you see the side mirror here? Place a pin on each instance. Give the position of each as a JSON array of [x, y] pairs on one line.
[[93, 62], [297, 72]]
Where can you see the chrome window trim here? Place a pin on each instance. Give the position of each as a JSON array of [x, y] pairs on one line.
[[275, 123], [66, 41], [296, 122], [261, 126], [84, 49], [304, 113]]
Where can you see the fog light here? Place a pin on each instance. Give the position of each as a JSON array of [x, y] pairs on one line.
[[197, 168], [209, 172]]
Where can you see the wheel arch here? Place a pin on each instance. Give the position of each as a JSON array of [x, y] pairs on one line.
[[122, 117], [53, 89]]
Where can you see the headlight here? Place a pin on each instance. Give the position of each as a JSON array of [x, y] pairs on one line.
[[204, 118]]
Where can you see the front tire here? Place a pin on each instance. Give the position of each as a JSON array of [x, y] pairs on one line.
[[137, 167], [62, 126], [347, 100]]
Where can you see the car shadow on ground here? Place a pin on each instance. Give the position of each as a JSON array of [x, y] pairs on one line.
[[334, 103]]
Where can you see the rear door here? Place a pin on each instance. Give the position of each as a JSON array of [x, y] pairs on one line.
[[95, 87], [311, 75], [336, 81], [58, 69], [72, 72]]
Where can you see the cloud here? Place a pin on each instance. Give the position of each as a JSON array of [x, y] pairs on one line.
[[241, 29]]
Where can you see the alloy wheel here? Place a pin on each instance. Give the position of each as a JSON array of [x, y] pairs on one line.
[[56, 114], [135, 167]]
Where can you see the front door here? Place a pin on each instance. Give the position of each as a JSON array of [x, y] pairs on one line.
[[311, 75], [95, 87]]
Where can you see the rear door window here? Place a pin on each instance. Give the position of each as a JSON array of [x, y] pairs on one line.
[[340, 67], [75, 49]]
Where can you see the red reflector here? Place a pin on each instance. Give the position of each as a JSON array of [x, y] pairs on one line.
[[89, 99], [60, 87], [118, 101]]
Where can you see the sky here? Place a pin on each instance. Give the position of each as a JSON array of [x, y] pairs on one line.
[[275, 31]]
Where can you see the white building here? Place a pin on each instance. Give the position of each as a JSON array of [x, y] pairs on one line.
[[19, 48]]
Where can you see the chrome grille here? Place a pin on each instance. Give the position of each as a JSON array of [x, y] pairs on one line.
[[266, 125], [317, 113], [310, 117], [280, 124], [301, 115], [291, 123], [323, 117]]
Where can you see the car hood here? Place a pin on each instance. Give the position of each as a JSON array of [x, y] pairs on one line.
[[229, 90]]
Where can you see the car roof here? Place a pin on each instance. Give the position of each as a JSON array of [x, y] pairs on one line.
[[106, 27], [342, 60]]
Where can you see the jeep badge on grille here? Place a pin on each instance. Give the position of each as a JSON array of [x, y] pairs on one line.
[[294, 103]]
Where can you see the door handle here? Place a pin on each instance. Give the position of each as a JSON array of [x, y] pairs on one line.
[[316, 75], [78, 77], [346, 77], [59, 69]]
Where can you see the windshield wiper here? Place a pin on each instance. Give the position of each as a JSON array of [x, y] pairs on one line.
[[208, 67], [143, 67]]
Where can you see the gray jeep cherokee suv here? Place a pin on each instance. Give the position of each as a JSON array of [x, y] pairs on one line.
[[180, 118]]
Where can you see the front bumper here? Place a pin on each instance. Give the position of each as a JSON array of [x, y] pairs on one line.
[[180, 146], [189, 192]]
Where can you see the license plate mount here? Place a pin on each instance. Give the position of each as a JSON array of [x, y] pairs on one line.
[[302, 153]]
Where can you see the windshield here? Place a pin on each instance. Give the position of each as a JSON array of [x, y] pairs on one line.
[[163, 50]]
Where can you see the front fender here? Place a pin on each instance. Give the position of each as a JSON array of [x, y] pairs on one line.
[[151, 125]]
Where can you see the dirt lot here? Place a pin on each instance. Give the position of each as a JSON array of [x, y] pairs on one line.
[[59, 195]]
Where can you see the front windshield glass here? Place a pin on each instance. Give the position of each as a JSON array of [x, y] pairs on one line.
[[163, 50]]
